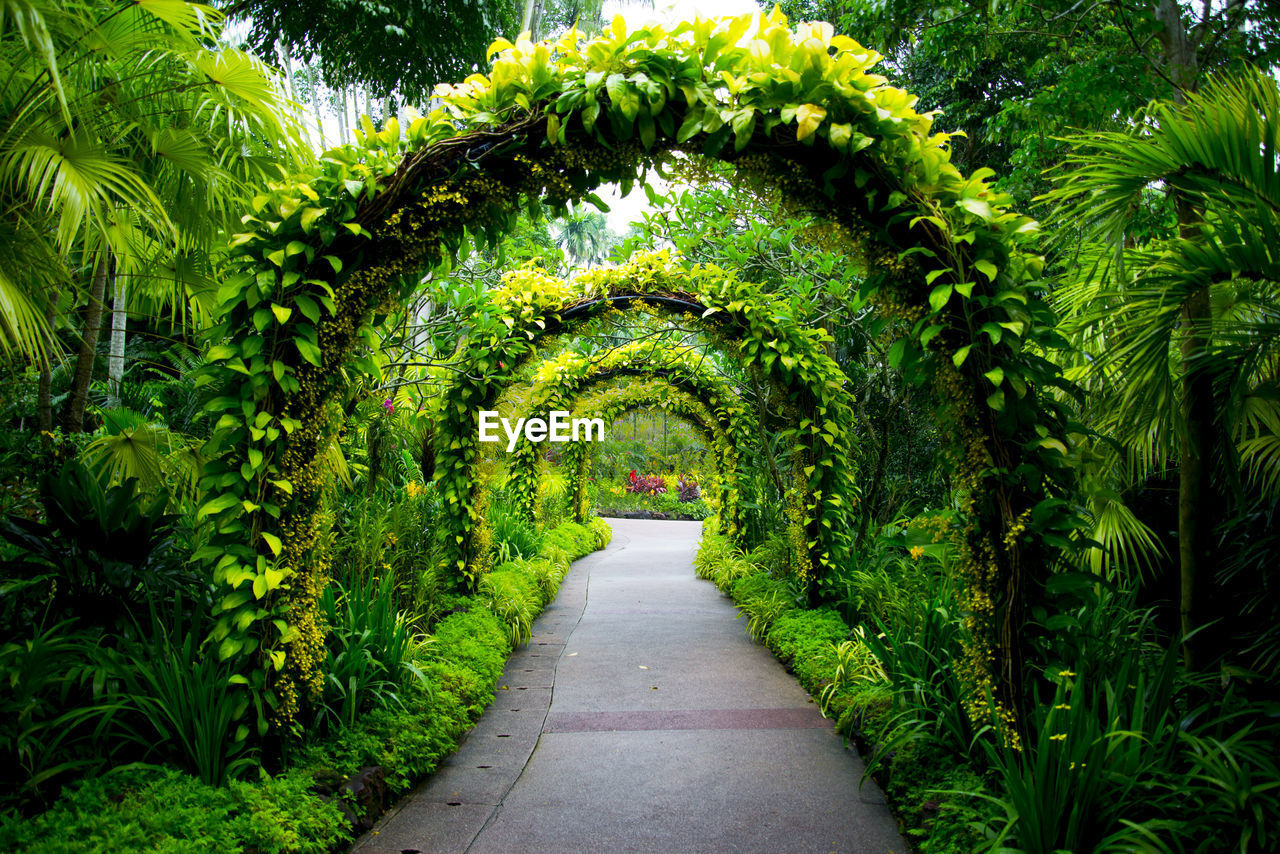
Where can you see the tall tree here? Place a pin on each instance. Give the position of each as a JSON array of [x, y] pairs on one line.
[[585, 236], [1017, 76], [405, 47]]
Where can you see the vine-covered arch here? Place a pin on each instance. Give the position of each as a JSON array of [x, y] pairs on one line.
[[560, 381], [796, 109], [616, 400], [748, 324]]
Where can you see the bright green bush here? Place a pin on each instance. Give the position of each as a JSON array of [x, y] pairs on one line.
[[600, 528], [163, 810], [372, 650], [807, 641], [512, 594], [720, 562], [513, 536], [570, 540]]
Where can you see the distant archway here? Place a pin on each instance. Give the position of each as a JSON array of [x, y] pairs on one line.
[[747, 324], [675, 381], [611, 404]]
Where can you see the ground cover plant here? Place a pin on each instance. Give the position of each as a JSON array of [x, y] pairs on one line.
[[1002, 493]]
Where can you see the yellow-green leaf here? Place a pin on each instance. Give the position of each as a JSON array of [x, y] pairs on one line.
[[273, 543], [808, 117]]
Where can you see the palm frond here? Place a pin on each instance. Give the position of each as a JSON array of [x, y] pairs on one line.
[[130, 447]]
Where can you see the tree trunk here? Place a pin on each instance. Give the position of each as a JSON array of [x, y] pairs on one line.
[[315, 108], [44, 401], [1179, 52], [1195, 502], [870, 500], [88, 347], [1194, 488], [119, 322], [532, 18]]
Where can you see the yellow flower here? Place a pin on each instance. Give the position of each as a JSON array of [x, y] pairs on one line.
[[1062, 736], [916, 552]]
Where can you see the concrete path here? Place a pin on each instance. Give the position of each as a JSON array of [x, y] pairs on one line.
[[641, 717]]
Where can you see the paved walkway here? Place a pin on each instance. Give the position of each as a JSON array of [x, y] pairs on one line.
[[641, 717]]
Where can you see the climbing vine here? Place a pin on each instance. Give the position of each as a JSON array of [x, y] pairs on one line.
[[679, 381], [326, 252], [619, 398], [747, 323]]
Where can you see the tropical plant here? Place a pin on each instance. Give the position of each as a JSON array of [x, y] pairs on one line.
[[121, 163], [401, 48], [584, 235], [513, 537], [513, 597], [921, 660], [187, 704], [52, 707], [101, 554], [856, 664], [1182, 328], [373, 652], [132, 446]]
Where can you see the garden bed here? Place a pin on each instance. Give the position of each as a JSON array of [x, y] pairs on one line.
[[335, 788], [650, 514]]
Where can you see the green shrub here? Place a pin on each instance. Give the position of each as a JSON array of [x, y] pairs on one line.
[[802, 630], [513, 595], [546, 574], [513, 537], [49, 709], [450, 683], [570, 539], [720, 562], [807, 641], [1111, 763], [474, 638], [163, 810], [712, 551], [763, 603], [178, 701], [554, 501], [372, 650], [601, 530], [773, 555]]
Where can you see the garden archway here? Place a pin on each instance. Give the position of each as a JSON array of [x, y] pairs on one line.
[[672, 379], [749, 325], [612, 403], [796, 109]]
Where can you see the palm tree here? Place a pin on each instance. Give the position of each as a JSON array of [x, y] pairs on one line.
[[585, 236], [128, 135], [1182, 333]]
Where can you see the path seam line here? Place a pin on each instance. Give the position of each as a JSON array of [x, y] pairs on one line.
[[586, 593]]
